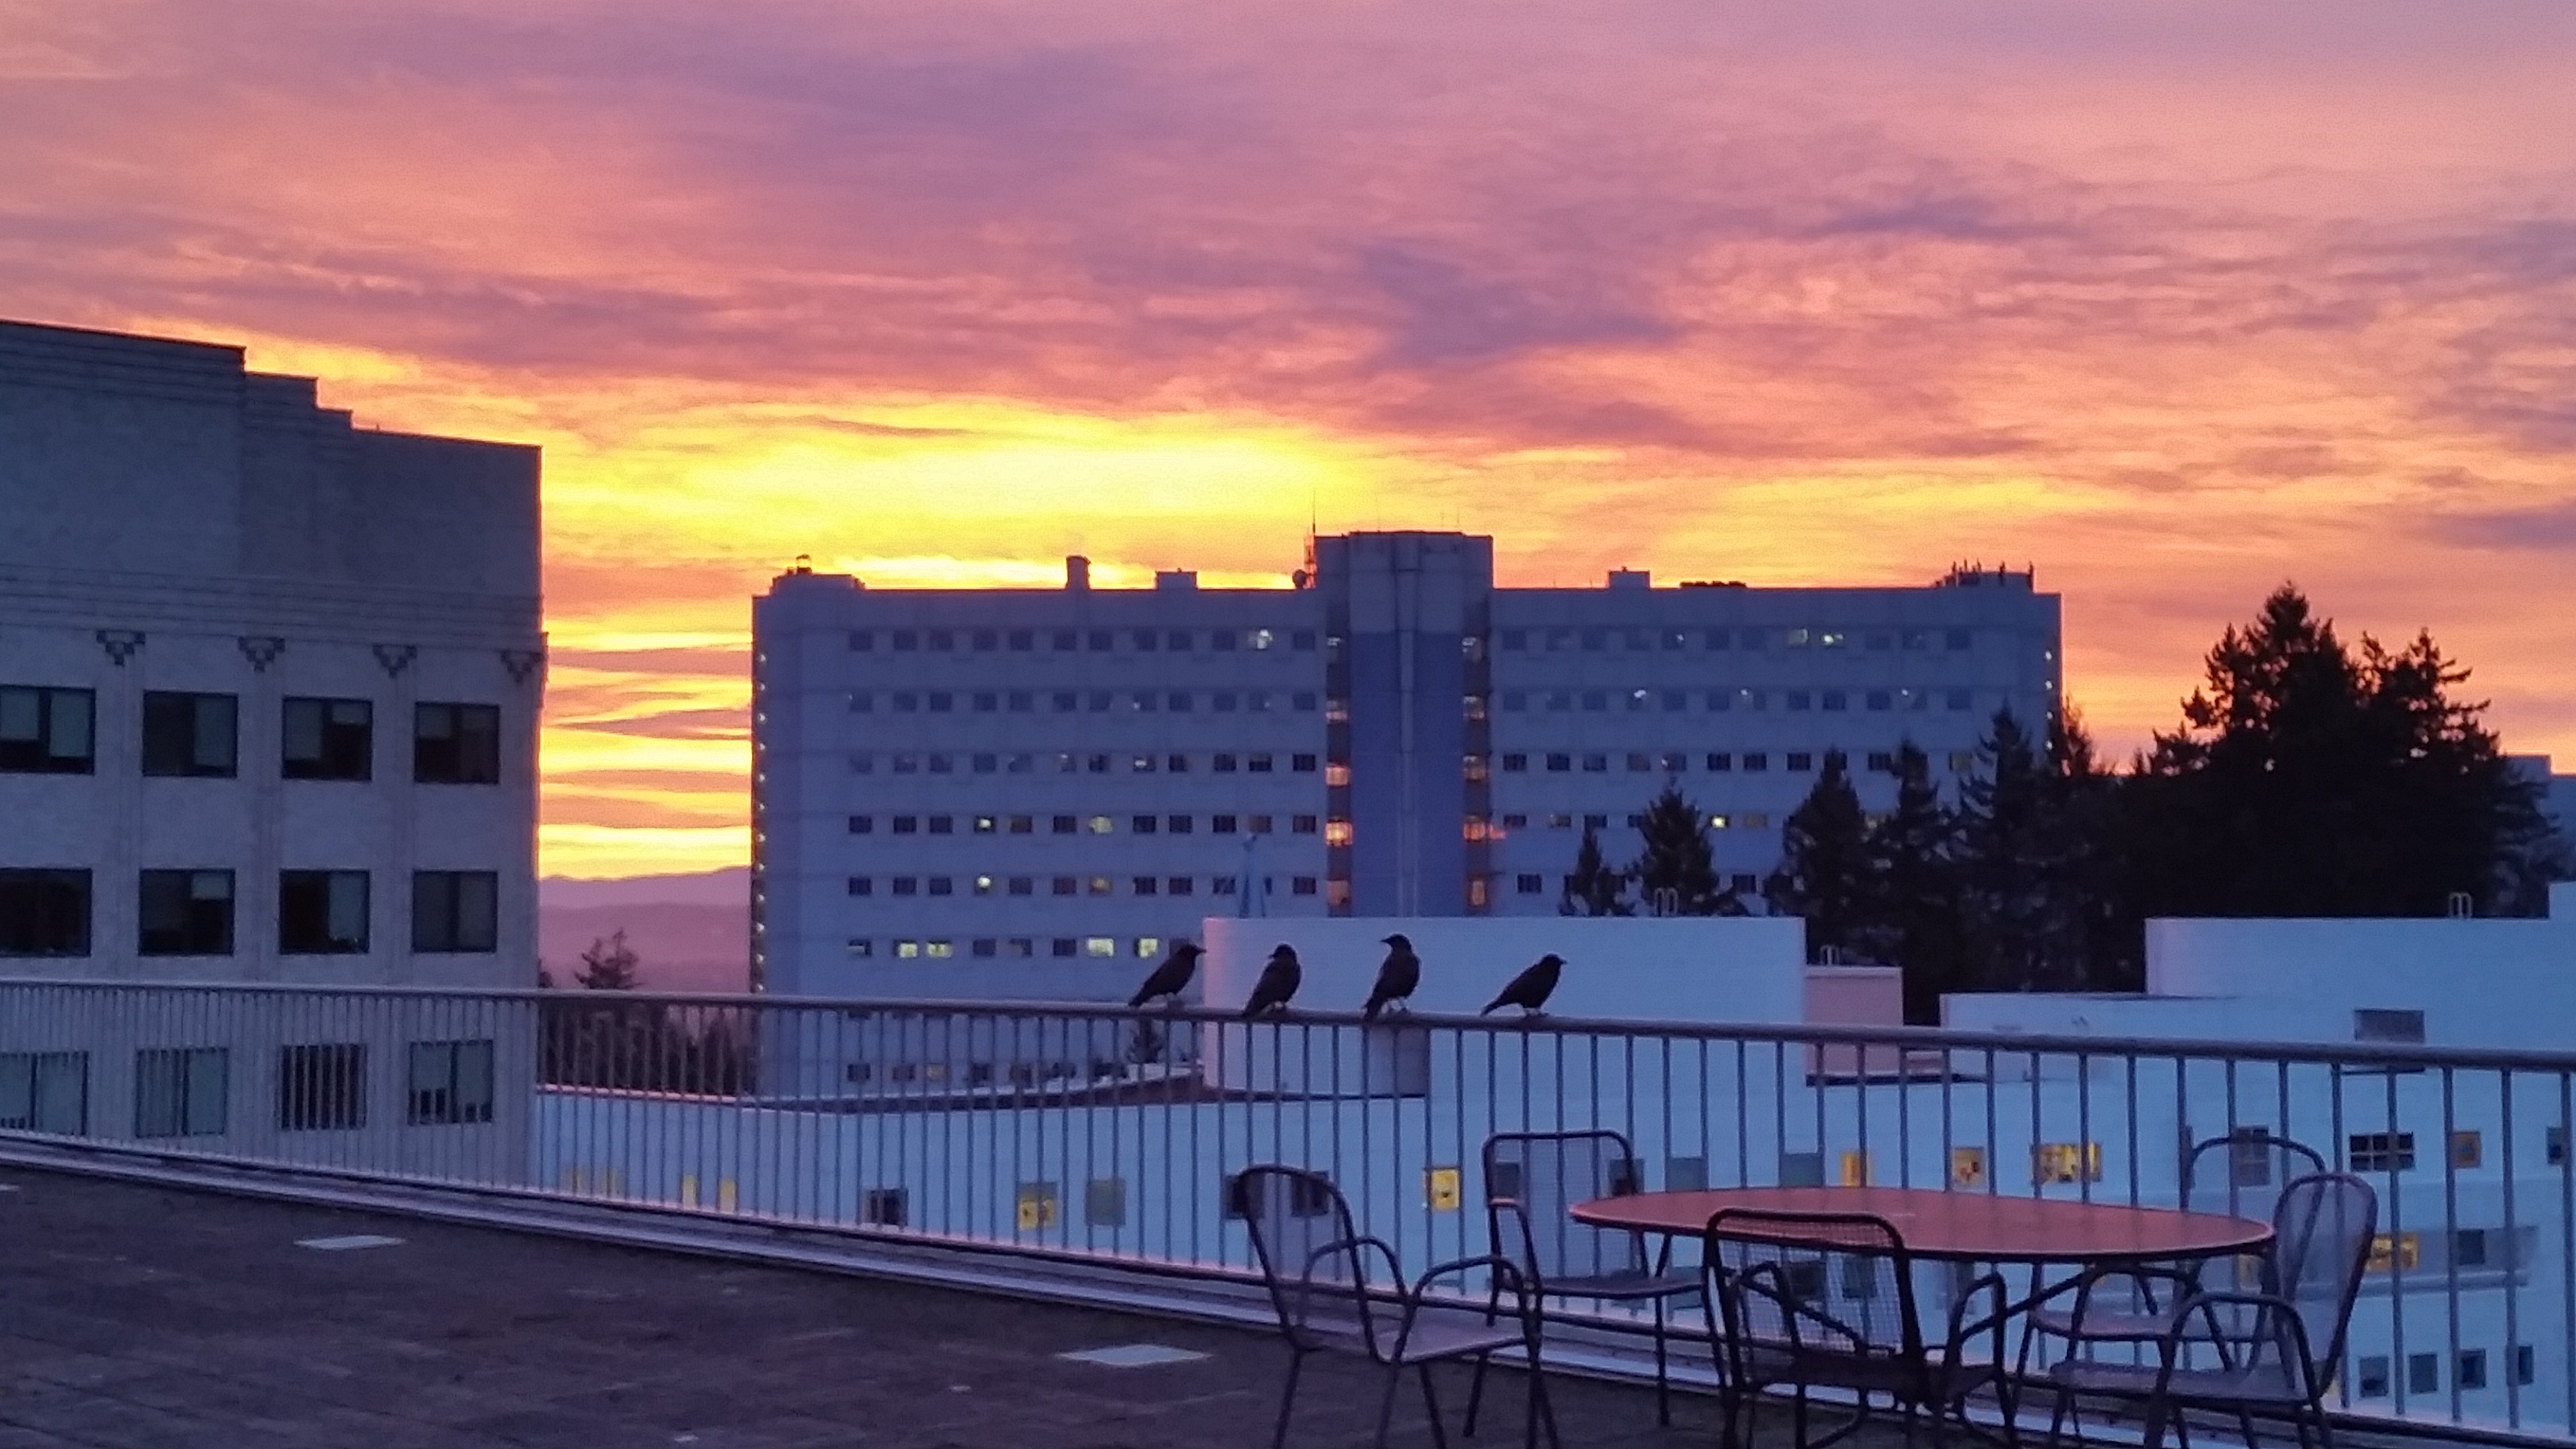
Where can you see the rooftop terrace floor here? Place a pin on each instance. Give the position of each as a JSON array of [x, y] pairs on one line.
[[136, 1315]]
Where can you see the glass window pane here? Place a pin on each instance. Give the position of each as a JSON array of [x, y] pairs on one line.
[[70, 725], [349, 910], [157, 1086], [209, 1091], [214, 741]]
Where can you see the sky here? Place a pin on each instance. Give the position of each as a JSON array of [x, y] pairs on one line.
[[2173, 301]]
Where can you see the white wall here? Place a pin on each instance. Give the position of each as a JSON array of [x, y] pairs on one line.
[[1692, 969]]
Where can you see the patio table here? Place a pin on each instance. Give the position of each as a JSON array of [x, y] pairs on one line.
[[1971, 1227]]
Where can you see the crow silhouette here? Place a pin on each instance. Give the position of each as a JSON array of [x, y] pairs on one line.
[[1395, 979], [1530, 990], [1277, 984], [1172, 977]]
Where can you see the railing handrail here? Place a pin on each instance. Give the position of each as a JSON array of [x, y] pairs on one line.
[[2375, 1055]]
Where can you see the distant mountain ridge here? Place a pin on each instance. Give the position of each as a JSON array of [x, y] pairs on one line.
[[689, 932]]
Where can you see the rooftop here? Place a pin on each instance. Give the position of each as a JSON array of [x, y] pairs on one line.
[[148, 1315]]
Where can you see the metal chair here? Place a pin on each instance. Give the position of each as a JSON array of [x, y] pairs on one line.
[[1812, 1300], [2267, 1341], [1532, 1181], [2242, 1174], [1316, 1264]]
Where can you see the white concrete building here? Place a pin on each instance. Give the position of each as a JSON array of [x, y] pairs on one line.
[[1027, 793], [269, 686]]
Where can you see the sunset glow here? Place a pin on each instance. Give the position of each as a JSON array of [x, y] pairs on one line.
[[2171, 300]]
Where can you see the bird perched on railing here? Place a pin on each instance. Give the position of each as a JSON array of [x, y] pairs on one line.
[[1396, 978], [1277, 984], [1172, 977], [1530, 990]]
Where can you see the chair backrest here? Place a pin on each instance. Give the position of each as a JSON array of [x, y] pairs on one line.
[[1309, 1252], [2322, 1231], [1848, 1279], [2242, 1174], [1547, 1173]]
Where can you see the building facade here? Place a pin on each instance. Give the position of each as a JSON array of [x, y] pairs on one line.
[[269, 687], [1025, 793]]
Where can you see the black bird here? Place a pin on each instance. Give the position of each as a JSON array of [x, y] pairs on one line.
[[1396, 979], [1278, 983], [1172, 977], [1530, 990]]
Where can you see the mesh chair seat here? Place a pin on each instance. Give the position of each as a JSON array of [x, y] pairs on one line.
[[1439, 1332], [1628, 1285], [1934, 1376], [2269, 1382], [2111, 1325]]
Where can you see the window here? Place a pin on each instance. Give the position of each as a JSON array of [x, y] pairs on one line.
[[1959, 699], [2467, 1149], [322, 1087], [939, 950], [1800, 761], [1064, 824], [2524, 1363], [1221, 825], [1257, 824], [986, 641], [1098, 885], [44, 913], [455, 910], [863, 824], [1100, 945], [1596, 764], [456, 744], [942, 640], [1530, 885], [1801, 699], [943, 824], [1062, 946], [181, 1092], [861, 885], [44, 1092], [1756, 761], [1721, 762], [940, 885], [1303, 885], [984, 946], [2394, 1252], [2423, 1373], [1257, 764], [46, 731], [1882, 762], [2373, 1378], [1301, 824], [1180, 885], [862, 640], [862, 702], [2056, 1162], [1880, 699], [2380, 1151], [1065, 885], [451, 1081], [1958, 638], [1022, 885], [1640, 763], [906, 702], [188, 734], [859, 948], [883, 1207], [321, 912], [1967, 1167], [329, 739], [2404, 1028], [1146, 885], [185, 913], [1100, 825]]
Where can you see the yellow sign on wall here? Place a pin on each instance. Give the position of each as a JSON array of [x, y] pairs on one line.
[[1967, 1167], [1037, 1206]]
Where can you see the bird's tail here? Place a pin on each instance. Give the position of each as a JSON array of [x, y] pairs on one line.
[[1491, 1007], [1139, 999], [1375, 1005]]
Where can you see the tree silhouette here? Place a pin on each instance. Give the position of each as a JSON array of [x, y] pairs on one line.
[[1823, 873], [2313, 779], [1596, 888], [608, 965], [2004, 839], [1676, 870], [1911, 909]]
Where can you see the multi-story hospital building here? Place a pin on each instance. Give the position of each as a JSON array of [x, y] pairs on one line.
[[1022, 792]]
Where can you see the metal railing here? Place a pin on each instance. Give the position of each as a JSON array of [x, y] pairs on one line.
[[1109, 1136]]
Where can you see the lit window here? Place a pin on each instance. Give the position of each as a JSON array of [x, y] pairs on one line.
[[1338, 832], [1100, 945], [1260, 638], [1101, 825], [1337, 774], [907, 950], [983, 885], [2397, 1252], [859, 947], [987, 824], [939, 948], [1853, 1169], [2055, 1162], [1099, 885], [1148, 947], [1967, 1167], [1717, 822], [1639, 699], [2467, 1149]]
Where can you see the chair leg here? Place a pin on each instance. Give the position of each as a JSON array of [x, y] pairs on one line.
[[1663, 1375], [1475, 1394], [2245, 1421], [1431, 1402], [1386, 1401], [1288, 1400]]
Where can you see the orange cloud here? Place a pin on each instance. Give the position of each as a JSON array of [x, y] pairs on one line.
[[2173, 302]]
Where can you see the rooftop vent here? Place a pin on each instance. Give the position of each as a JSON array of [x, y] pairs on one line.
[[1626, 579], [1077, 573], [1183, 580]]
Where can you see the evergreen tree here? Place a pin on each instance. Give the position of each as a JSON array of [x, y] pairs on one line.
[[1911, 918], [608, 965], [1675, 870], [2313, 779], [1596, 888], [1823, 874], [2094, 934], [2004, 840]]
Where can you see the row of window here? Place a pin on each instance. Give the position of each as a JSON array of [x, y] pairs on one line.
[[989, 886], [1079, 824], [187, 1091], [1599, 639], [47, 912], [865, 762], [49, 731], [1716, 762], [2424, 1371], [1073, 701], [1069, 641], [1023, 948], [1567, 820], [1728, 701]]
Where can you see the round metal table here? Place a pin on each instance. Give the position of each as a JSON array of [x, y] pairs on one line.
[[1961, 1226]]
